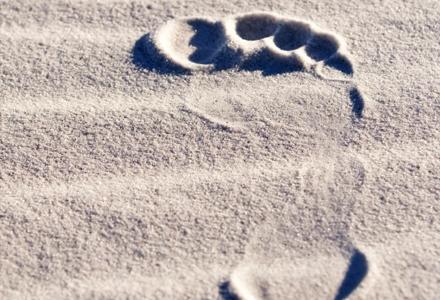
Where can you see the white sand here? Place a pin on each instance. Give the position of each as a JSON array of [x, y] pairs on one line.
[[131, 168]]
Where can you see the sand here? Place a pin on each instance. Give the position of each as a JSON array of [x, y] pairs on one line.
[[223, 150]]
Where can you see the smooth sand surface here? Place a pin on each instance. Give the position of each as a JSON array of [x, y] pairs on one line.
[[225, 150]]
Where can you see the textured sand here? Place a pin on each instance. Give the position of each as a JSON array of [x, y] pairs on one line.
[[128, 171]]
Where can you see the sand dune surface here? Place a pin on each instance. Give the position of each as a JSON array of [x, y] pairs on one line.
[[226, 150]]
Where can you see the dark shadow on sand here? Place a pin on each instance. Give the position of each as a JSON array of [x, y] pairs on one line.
[[357, 270], [146, 56], [225, 293], [357, 103]]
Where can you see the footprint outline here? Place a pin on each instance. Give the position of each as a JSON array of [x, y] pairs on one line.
[[247, 34], [252, 41]]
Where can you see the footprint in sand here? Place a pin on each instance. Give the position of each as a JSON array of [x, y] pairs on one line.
[[271, 281], [273, 44], [262, 41], [307, 250]]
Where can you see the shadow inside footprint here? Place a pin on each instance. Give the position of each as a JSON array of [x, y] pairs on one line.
[[269, 64], [225, 292], [256, 27], [145, 55], [357, 270], [322, 46], [208, 40], [292, 35], [340, 63]]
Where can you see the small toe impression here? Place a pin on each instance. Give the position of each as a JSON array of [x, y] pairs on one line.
[[292, 35], [322, 46], [254, 27], [341, 63]]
